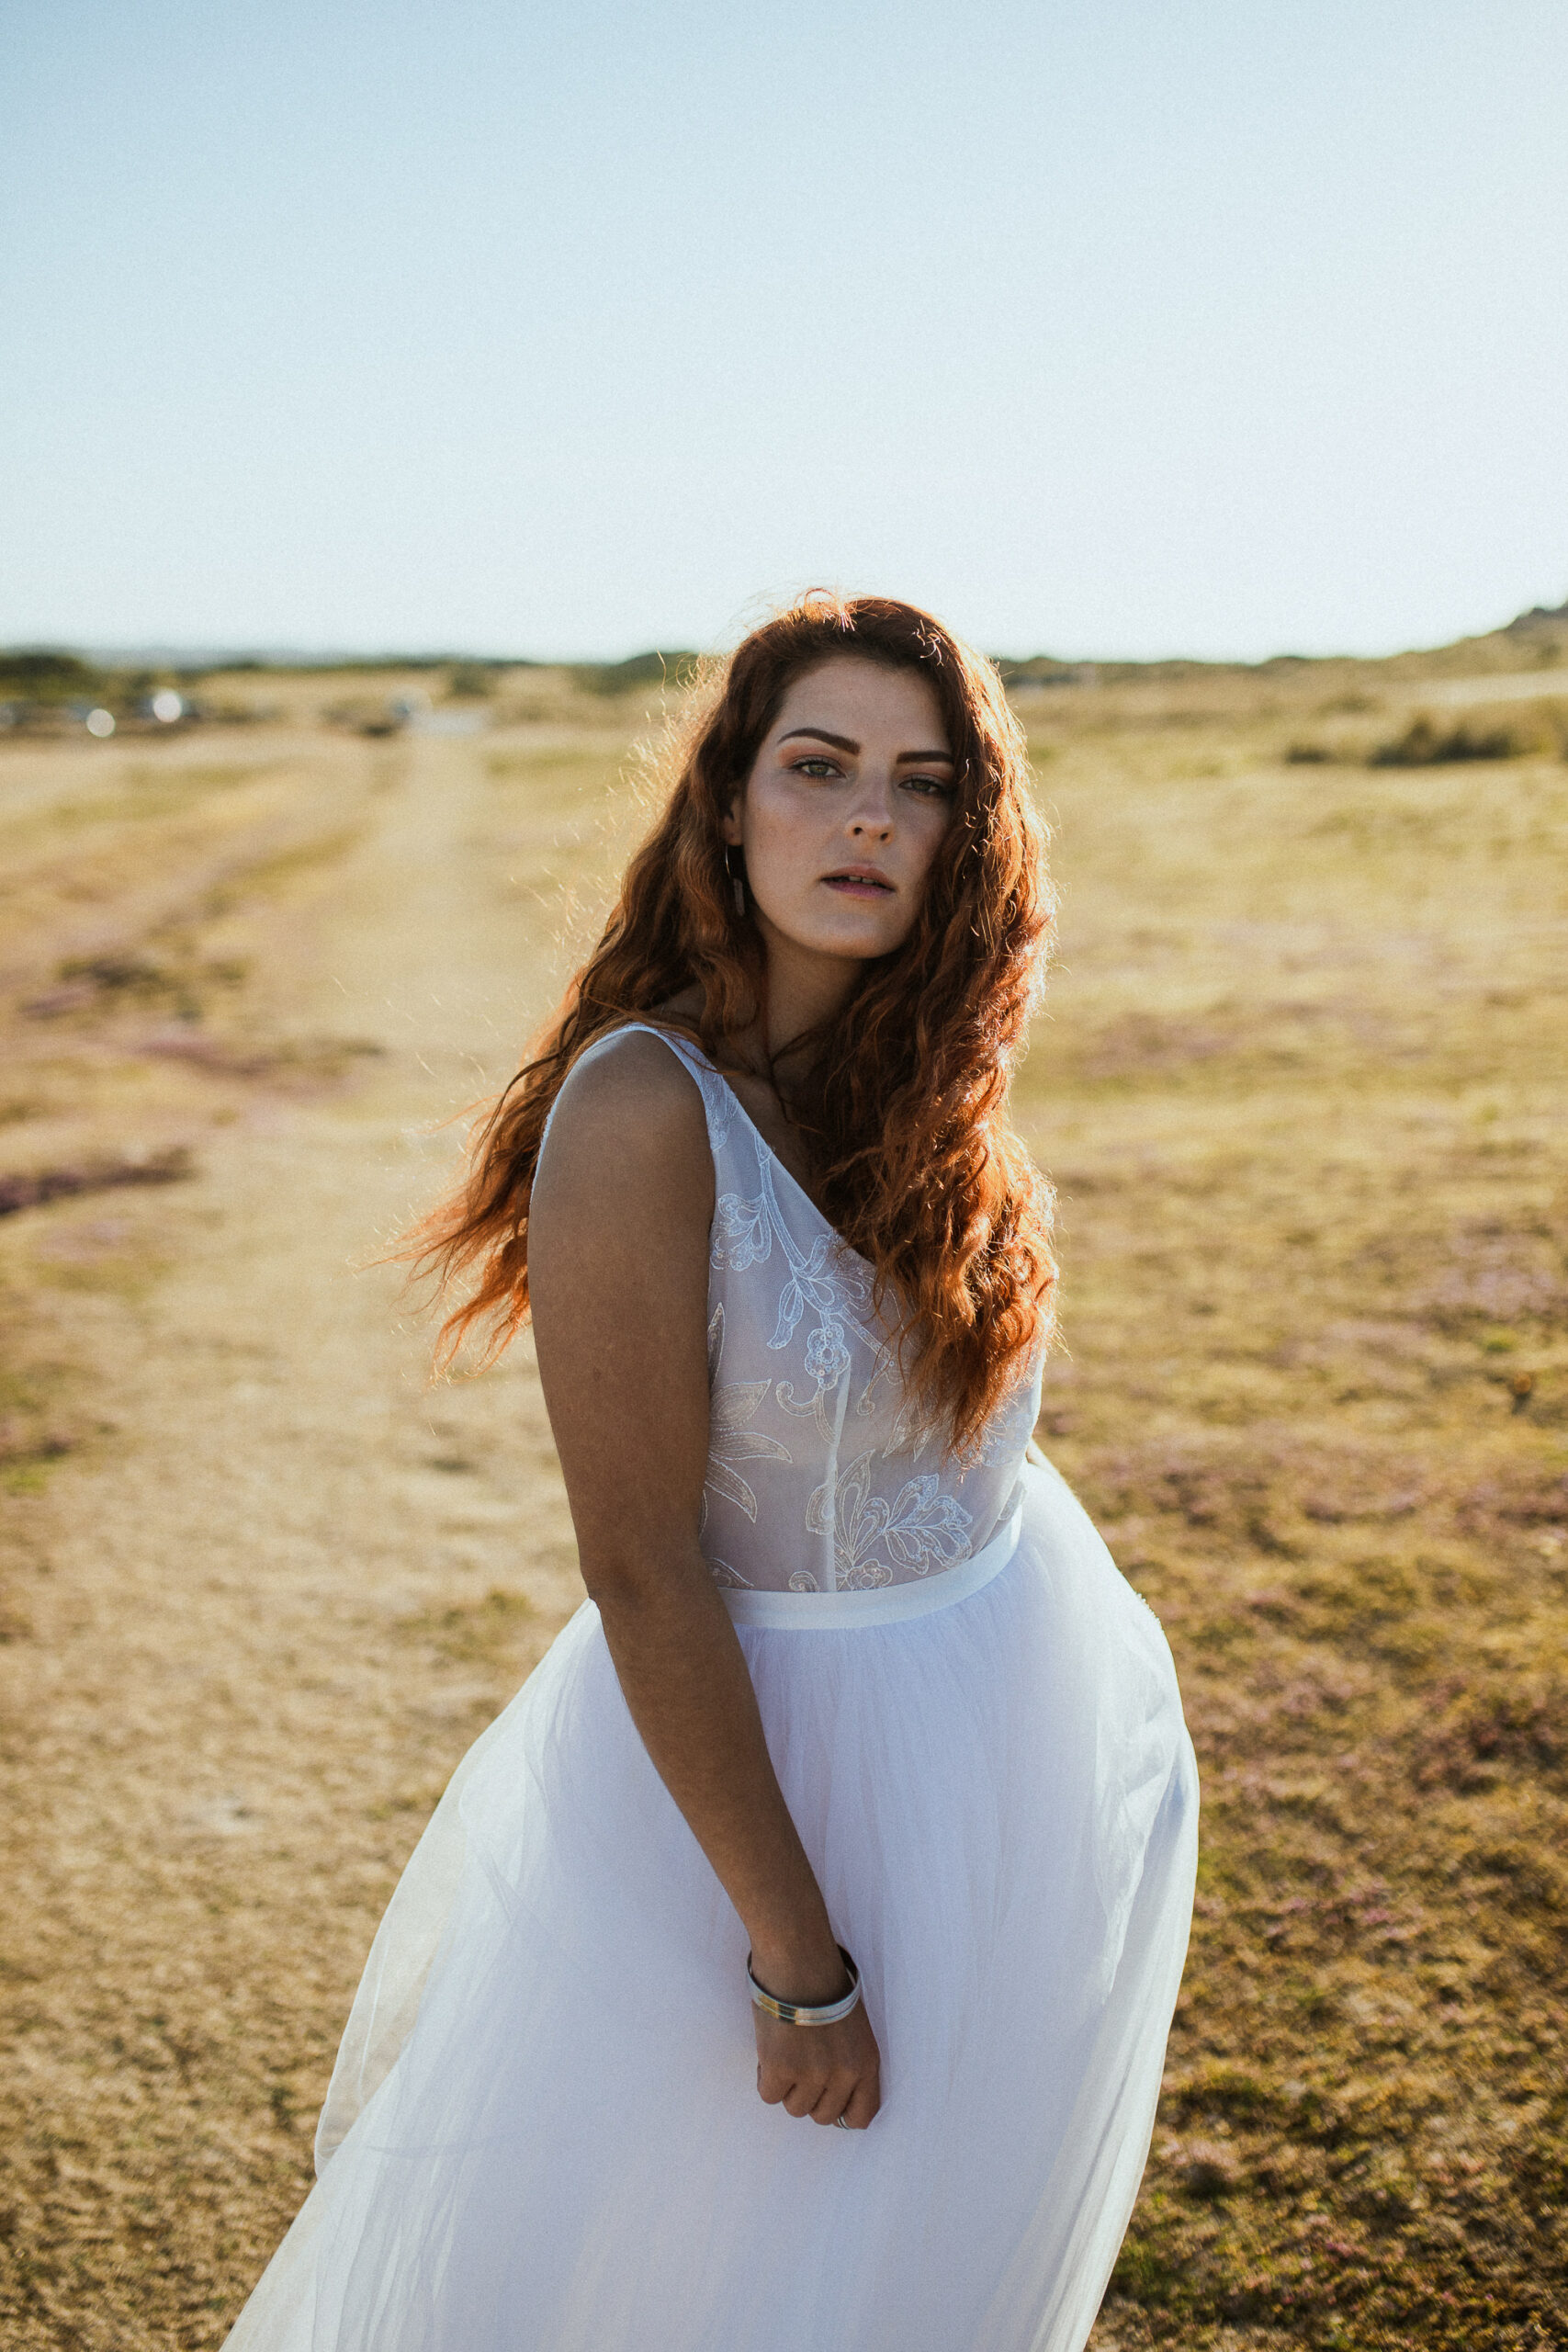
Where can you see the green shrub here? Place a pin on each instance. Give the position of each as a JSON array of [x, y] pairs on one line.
[[639, 670], [42, 677], [1422, 745]]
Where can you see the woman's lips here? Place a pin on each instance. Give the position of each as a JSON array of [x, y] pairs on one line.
[[859, 886]]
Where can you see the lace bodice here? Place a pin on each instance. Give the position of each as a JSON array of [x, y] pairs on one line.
[[820, 1477]]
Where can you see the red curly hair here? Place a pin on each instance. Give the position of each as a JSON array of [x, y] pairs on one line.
[[903, 1107]]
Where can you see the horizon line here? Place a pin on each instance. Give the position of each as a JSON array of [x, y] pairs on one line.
[[197, 655]]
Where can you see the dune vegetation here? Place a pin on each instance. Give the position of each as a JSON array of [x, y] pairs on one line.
[[1300, 1083]]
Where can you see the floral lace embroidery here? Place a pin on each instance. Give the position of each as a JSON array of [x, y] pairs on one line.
[[730, 1405], [743, 1236], [923, 1527], [824, 1278]]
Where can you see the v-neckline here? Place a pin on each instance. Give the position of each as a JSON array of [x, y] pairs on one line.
[[787, 1174]]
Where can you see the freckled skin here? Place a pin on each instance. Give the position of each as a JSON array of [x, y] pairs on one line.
[[812, 807], [810, 810]]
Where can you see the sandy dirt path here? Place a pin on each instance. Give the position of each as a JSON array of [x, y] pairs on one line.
[[267, 1619]]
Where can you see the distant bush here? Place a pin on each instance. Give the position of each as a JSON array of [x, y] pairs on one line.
[[471, 681], [47, 678], [1043, 670], [639, 670], [1422, 745], [1309, 755]]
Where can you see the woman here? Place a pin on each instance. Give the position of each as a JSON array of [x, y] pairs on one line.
[[857, 1796]]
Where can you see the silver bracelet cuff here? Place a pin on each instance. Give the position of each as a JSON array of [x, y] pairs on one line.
[[799, 2013]]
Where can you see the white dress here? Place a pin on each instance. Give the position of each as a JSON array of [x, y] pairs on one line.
[[543, 2132]]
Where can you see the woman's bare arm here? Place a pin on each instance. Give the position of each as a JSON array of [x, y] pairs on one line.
[[617, 1270]]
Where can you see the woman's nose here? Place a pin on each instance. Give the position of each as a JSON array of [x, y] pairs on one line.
[[871, 816]]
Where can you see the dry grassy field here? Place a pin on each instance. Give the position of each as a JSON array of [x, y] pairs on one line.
[[1301, 1084]]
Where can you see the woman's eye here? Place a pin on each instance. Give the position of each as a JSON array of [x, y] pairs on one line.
[[815, 766], [933, 787]]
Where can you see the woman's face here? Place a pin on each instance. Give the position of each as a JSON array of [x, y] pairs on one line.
[[845, 808]]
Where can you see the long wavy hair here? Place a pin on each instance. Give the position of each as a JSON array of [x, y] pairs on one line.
[[903, 1102]]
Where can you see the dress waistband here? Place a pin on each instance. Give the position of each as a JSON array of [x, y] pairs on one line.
[[820, 1613]]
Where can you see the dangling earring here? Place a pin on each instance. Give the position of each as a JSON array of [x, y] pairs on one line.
[[737, 882]]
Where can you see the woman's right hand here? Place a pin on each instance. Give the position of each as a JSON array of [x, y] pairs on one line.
[[822, 2071]]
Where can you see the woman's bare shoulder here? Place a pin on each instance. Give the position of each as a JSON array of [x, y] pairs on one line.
[[628, 1118]]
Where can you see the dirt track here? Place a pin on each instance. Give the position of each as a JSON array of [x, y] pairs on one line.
[[276, 1602]]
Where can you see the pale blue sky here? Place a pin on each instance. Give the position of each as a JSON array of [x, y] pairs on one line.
[[1216, 326]]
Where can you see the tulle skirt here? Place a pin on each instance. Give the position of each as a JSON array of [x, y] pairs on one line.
[[543, 2134]]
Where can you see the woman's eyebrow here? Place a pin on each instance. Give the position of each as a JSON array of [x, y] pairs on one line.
[[847, 743], [839, 742]]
